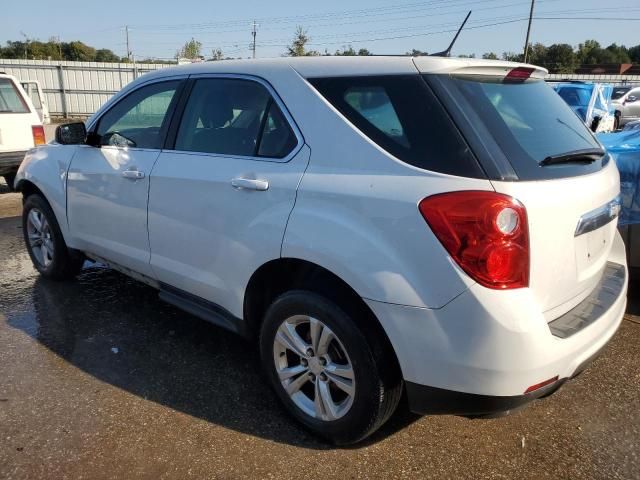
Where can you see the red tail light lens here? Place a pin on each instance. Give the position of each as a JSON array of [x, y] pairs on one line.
[[486, 233], [38, 135], [518, 74]]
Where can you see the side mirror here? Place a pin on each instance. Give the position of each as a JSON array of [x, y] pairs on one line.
[[71, 133], [631, 99]]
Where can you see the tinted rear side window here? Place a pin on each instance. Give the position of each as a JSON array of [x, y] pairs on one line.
[[402, 115], [10, 100]]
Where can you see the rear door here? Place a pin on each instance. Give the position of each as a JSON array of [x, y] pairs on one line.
[[221, 195], [521, 129], [108, 184]]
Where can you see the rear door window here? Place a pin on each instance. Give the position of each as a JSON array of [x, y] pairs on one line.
[[232, 116], [10, 99], [401, 114], [528, 121]]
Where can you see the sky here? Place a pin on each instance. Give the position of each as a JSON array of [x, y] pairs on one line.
[[159, 28]]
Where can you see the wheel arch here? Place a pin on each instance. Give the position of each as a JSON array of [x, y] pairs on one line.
[[283, 274]]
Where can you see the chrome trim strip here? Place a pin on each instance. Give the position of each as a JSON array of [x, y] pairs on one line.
[[599, 217]]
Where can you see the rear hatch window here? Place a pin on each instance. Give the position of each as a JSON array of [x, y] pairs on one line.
[[527, 121], [10, 100], [402, 115]]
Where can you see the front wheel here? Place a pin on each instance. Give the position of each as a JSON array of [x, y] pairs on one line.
[[45, 244], [324, 370]]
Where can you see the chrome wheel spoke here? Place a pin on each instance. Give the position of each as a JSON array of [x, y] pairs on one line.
[[342, 383], [36, 220], [290, 339], [296, 384], [289, 372], [324, 405], [336, 370], [323, 342]]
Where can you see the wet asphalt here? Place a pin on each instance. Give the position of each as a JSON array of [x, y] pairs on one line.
[[100, 379]]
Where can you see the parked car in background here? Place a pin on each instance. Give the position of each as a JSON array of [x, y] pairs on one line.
[[436, 226], [35, 93], [591, 102], [20, 127], [624, 147], [628, 106]]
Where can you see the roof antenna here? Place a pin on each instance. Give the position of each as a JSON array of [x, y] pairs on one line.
[[447, 52]]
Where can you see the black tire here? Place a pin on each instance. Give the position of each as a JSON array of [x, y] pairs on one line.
[[10, 178], [66, 263], [377, 394]]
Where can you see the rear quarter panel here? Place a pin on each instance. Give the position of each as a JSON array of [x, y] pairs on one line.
[[356, 213]]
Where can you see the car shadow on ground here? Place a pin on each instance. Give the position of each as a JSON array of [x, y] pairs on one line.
[[118, 331]]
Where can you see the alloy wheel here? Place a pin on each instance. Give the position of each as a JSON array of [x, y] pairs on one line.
[[40, 237], [314, 368]]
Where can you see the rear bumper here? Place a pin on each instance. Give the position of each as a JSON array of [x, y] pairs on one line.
[[10, 161], [479, 354]]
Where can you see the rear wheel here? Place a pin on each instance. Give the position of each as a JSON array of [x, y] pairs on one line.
[[324, 370], [10, 178], [45, 244]]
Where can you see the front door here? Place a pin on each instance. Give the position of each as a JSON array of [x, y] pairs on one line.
[[220, 200], [108, 184]]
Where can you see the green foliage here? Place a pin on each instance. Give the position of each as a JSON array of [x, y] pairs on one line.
[[217, 55], [350, 52], [298, 46], [490, 56], [191, 49], [417, 53], [54, 50]]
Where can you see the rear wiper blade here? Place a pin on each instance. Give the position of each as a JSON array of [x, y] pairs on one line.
[[587, 155]]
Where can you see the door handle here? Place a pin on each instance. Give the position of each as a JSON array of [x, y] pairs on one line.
[[133, 174], [250, 184]]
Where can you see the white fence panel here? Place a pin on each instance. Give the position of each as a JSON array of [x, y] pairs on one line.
[[76, 88]]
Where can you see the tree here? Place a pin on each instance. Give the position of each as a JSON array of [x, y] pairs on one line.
[[561, 58], [346, 52], [512, 57], [363, 52], [473, 55], [490, 56], [216, 55], [78, 52], [191, 49], [106, 55], [298, 46], [417, 53]]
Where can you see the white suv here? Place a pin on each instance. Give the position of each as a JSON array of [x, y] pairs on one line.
[[20, 127], [444, 227]]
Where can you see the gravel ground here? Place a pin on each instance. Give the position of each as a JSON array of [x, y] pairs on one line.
[[100, 379]]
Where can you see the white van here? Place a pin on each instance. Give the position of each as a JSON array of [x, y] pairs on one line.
[[20, 127]]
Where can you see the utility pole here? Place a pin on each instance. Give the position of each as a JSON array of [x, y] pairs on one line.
[[526, 43], [254, 33], [126, 29], [26, 43]]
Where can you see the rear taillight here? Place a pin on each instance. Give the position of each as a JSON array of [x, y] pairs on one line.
[[486, 233], [38, 135]]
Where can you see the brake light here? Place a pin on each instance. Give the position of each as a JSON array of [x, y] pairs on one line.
[[519, 74], [486, 233], [38, 135]]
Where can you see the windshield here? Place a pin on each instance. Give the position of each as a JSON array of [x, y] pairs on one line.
[[618, 92], [10, 100], [528, 121]]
